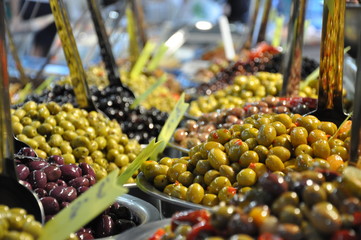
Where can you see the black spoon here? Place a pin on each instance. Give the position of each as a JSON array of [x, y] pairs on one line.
[[329, 105], [12, 193], [105, 47]]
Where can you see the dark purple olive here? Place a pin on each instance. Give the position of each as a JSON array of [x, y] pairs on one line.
[[50, 204], [56, 159], [87, 169], [26, 184], [41, 192], [81, 189], [115, 206], [58, 193], [241, 223], [69, 172], [351, 205], [48, 217], [27, 152], [64, 204], [105, 227], [37, 165], [78, 182], [69, 194], [50, 185], [86, 230], [52, 172], [273, 184], [123, 224], [22, 171], [37, 179], [61, 183], [85, 236], [91, 179]]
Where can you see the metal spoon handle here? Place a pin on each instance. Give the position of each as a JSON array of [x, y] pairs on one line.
[[105, 48], [248, 43], [263, 28], [6, 133], [332, 54], [77, 72], [292, 62], [355, 150]]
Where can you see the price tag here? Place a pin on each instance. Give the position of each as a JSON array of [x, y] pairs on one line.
[[143, 156], [133, 43], [142, 60], [85, 208], [277, 36], [171, 124], [154, 62], [144, 95]]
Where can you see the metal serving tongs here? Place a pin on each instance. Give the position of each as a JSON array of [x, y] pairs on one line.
[[264, 21], [77, 72], [105, 47], [12, 193], [292, 62], [329, 106], [247, 45]]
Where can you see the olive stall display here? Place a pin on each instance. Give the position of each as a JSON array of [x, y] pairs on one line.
[[235, 159], [75, 134], [58, 184], [194, 132], [138, 123], [296, 206]]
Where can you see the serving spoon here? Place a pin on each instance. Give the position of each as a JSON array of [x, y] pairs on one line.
[[12, 192], [105, 48], [329, 105]]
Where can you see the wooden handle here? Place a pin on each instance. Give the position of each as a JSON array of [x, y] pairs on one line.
[[292, 62], [77, 73]]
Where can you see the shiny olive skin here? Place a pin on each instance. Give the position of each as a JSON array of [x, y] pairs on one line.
[[195, 193]]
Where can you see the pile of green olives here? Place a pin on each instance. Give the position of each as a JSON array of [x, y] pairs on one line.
[[234, 159], [15, 223], [300, 205], [75, 134]]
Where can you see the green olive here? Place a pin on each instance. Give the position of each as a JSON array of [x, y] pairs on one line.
[[218, 183], [267, 133], [283, 153], [274, 163], [217, 157], [247, 158], [246, 177], [195, 193]]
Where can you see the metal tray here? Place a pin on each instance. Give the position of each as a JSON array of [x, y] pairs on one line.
[[142, 209], [145, 231], [168, 204]]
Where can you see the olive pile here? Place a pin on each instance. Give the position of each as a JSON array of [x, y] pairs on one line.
[[138, 123], [76, 135], [237, 157], [297, 206], [267, 63], [244, 89], [114, 220], [15, 223], [56, 184], [195, 132]]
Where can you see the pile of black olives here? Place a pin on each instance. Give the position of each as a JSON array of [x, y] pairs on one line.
[[296, 206]]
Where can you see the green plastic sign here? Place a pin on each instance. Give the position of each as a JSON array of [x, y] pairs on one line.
[[144, 95], [85, 208], [154, 62], [171, 124], [142, 60], [133, 47]]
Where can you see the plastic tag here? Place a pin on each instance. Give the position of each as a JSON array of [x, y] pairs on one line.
[[171, 124], [158, 56], [44, 85], [144, 95], [133, 43], [142, 60], [143, 156], [227, 38], [277, 36], [85, 208]]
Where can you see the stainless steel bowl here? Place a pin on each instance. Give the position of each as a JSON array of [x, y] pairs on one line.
[[145, 211], [168, 205], [145, 231], [352, 21]]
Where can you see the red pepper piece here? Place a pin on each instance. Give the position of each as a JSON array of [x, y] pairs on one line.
[[269, 236], [344, 234], [193, 217], [357, 218], [158, 234], [199, 227]]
